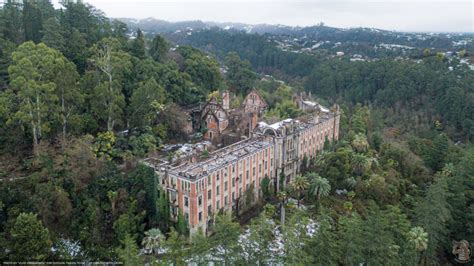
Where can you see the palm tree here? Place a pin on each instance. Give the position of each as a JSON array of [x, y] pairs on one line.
[[153, 240], [319, 186], [299, 184], [419, 237], [359, 143], [360, 163]]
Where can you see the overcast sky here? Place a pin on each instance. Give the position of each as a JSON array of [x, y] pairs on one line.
[[414, 15]]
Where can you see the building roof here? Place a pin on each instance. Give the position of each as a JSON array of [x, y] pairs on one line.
[[218, 159]]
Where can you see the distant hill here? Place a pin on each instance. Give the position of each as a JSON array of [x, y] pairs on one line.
[[318, 33]]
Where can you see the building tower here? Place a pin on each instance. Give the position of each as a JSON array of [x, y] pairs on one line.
[[225, 100]]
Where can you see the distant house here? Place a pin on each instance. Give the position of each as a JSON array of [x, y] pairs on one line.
[[254, 103], [215, 118], [339, 53]]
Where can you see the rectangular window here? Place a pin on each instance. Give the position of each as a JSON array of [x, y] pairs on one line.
[[209, 210], [217, 177], [253, 171], [200, 200], [233, 196], [217, 191], [240, 191], [240, 178], [225, 200], [260, 168], [186, 203], [200, 216], [209, 194], [225, 186], [186, 216], [233, 182], [218, 206], [209, 181], [248, 176], [233, 168]]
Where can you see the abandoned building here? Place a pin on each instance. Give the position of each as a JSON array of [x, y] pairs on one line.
[[214, 117], [202, 186]]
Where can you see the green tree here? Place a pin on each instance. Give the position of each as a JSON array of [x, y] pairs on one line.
[[29, 240], [199, 248], [104, 145], [146, 102], [33, 74], [163, 210], [70, 97], [294, 235], [433, 213], [153, 240], [137, 48], [32, 21], [175, 245], [299, 184], [438, 152], [239, 75], [225, 239], [53, 34], [351, 242], [129, 253], [323, 247], [260, 238], [182, 225], [159, 48], [203, 69], [318, 186], [114, 64]]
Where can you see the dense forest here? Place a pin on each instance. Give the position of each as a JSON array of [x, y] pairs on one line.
[[81, 102]]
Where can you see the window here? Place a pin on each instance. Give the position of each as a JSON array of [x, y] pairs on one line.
[[217, 177], [209, 194], [233, 196], [209, 181], [186, 203], [233, 182], [225, 185], [240, 177], [248, 174], [233, 168], [260, 168], [217, 191], [240, 191], [253, 171], [186, 216], [209, 210], [200, 200], [225, 200], [218, 205], [200, 216], [248, 185]]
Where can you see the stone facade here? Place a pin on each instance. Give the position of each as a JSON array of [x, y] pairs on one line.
[[215, 119]]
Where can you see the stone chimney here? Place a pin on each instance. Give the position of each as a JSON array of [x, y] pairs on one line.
[[225, 100]]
